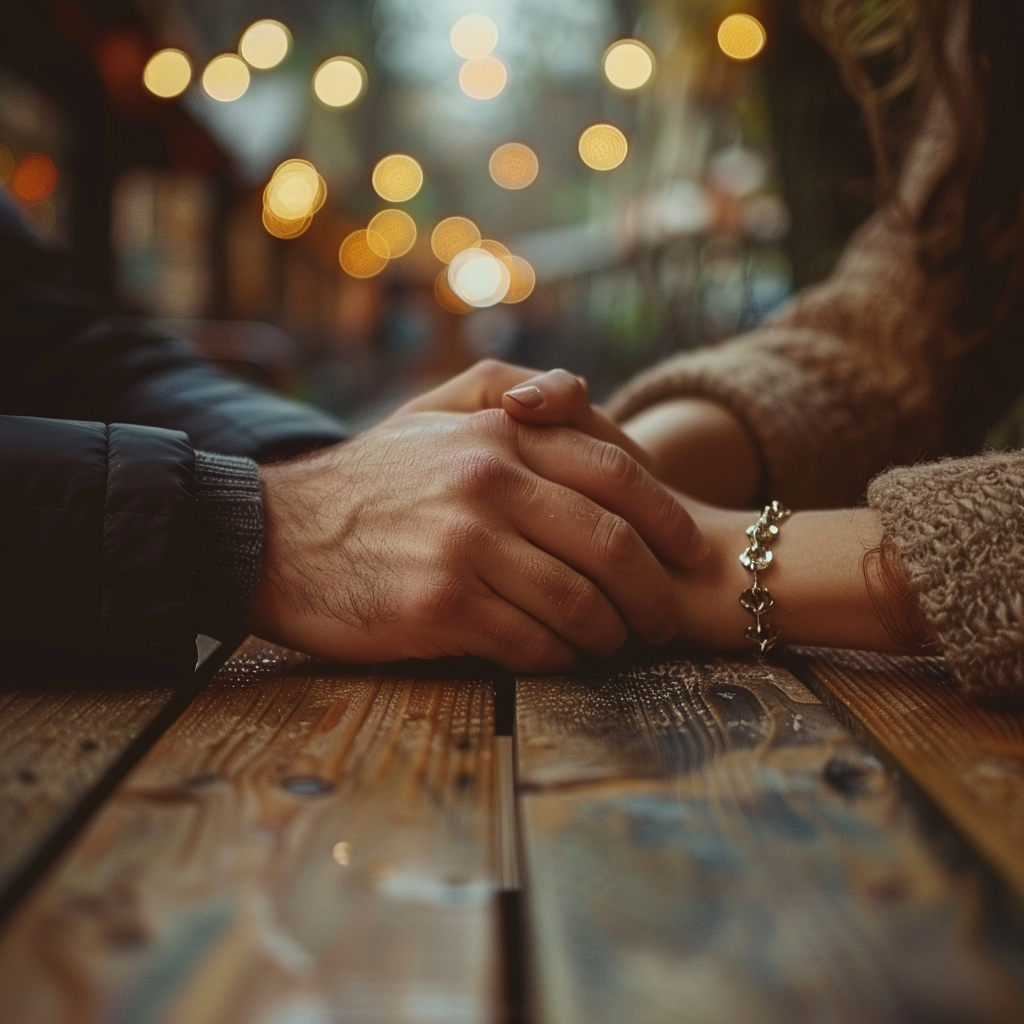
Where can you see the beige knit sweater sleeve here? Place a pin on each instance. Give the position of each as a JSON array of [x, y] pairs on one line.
[[851, 379]]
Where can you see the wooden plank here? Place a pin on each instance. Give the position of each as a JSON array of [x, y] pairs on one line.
[[705, 841], [54, 748], [303, 845], [966, 755]]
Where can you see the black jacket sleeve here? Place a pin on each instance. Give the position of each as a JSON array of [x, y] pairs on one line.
[[100, 418]]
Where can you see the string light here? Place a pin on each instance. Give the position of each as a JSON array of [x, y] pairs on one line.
[[167, 73], [603, 147], [359, 258], [339, 81], [513, 166], [265, 43], [396, 228], [451, 236], [741, 36], [226, 78], [397, 178], [483, 78], [628, 64]]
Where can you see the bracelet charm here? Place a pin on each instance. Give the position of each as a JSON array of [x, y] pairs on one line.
[[757, 557]]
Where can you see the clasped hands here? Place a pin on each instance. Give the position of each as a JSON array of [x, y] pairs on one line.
[[500, 516]]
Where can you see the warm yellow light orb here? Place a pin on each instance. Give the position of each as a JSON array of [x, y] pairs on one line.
[[397, 178], [282, 227], [741, 36], [265, 43], [296, 190], [339, 81], [359, 258], [483, 78], [167, 73], [603, 147], [451, 236], [513, 166], [479, 277], [226, 78], [396, 228], [446, 298], [473, 36], [628, 64], [493, 247], [523, 279]]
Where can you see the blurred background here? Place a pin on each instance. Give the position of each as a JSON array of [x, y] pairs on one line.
[[586, 183]]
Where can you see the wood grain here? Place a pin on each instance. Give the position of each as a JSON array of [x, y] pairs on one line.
[[967, 756], [303, 846], [54, 747], [706, 842]]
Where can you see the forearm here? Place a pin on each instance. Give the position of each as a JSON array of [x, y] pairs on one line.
[[701, 448], [825, 593]]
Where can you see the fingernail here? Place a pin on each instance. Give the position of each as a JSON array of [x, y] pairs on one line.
[[528, 395]]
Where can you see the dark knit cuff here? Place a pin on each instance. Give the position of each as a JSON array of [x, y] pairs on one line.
[[229, 533]]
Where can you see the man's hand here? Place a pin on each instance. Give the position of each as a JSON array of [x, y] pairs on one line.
[[439, 533]]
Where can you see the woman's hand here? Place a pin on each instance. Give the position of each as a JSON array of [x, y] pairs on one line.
[[554, 398], [825, 593]]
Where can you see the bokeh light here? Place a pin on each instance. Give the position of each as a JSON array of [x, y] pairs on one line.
[[34, 178], [603, 147], [493, 247], [523, 279], [478, 277], [451, 236], [339, 81], [513, 166], [483, 78], [628, 64], [396, 228], [397, 178], [167, 73], [282, 227], [359, 258], [6, 164], [265, 43], [741, 36], [295, 192], [473, 36], [446, 298], [226, 78]]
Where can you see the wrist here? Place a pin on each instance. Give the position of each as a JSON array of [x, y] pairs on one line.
[[701, 448]]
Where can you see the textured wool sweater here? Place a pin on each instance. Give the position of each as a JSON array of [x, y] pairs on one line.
[[855, 389]]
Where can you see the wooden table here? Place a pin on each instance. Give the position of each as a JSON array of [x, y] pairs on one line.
[[663, 837]]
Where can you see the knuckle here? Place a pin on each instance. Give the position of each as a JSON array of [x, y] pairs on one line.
[[466, 533], [580, 602], [440, 599], [487, 368], [617, 467], [480, 471], [614, 539]]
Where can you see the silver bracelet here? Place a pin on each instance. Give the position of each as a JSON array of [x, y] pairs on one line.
[[757, 557]]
